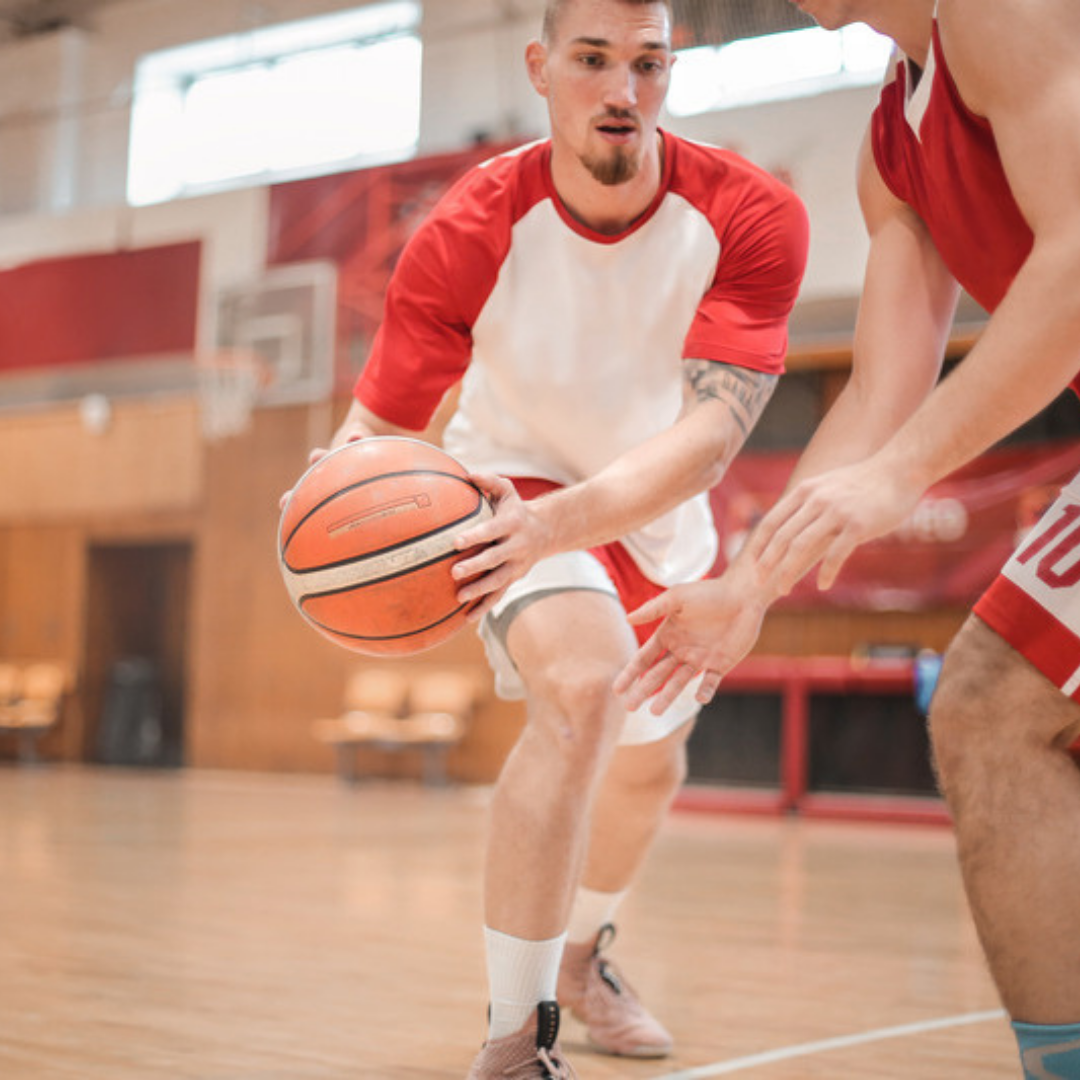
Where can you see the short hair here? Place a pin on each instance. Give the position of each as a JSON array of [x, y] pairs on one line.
[[553, 8]]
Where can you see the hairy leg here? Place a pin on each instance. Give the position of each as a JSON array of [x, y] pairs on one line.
[[1000, 732]]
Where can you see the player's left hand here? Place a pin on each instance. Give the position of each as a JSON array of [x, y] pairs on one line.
[[707, 628], [353, 430], [510, 543]]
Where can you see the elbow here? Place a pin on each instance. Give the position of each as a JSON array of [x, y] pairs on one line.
[[712, 466]]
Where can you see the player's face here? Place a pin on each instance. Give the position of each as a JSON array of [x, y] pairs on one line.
[[605, 74]]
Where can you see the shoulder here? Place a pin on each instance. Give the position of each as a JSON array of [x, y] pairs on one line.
[[729, 189], [471, 224], [501, 188], [1009, 50]]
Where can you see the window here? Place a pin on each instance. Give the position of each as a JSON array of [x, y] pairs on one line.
[[301, 98], [793, 64]]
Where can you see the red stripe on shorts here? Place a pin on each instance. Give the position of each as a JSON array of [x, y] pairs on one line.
[[633, 587], [1031, 630]]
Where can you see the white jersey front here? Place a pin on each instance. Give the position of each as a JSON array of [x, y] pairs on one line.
[[569, 342]]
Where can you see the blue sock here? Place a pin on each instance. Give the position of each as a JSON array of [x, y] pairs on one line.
[[1049, 1052]]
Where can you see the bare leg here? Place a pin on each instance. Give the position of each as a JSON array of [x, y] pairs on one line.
[[999, 731], [633, 801], [568, 648]]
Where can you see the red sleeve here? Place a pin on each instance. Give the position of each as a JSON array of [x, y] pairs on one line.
[[743, 318], [439, 287], [424, 342]]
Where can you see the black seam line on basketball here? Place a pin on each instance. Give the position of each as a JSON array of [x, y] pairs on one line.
[[404, 572], [390, 637], [457, 523], [373, 480]]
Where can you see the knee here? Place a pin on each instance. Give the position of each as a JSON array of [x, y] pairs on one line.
[[580, 710], [954, 712], [982, 721]]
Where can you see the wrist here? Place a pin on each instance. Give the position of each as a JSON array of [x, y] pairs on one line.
[[747, 580]]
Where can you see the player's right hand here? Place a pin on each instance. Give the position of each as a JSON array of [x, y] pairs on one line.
[[504, 548]]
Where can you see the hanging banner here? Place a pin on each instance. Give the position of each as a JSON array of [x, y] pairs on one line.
[[85, 309], [360, 221], [945, 554]]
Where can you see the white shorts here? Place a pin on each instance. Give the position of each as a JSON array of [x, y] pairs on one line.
[[1034, 604], [570, 571]]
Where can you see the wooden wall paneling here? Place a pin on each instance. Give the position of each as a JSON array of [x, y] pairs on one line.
[[828, 632], [148, 460], [41, 588]]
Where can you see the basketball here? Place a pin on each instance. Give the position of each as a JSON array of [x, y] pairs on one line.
[[366, 544]]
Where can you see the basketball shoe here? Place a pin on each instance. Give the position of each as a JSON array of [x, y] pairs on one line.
[[598, 995], [529, 1054]]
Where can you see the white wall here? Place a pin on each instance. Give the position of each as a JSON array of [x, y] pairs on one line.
[[65, 98]]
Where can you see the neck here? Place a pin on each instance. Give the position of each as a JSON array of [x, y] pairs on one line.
[[606, 209], [909, 24]]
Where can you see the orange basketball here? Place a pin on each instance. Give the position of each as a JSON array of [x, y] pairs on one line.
[[366, 544]]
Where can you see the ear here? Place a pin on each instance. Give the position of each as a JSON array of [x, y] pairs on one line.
[[536, 65]]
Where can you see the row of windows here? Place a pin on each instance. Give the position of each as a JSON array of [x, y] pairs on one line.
[[343, 91]]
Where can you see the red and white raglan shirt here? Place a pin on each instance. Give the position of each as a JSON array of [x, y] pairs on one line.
[[942, 159], [568, 342]]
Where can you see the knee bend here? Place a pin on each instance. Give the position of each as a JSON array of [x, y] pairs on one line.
[[974, 719], [670, 768], [955, 712], [653, 770]]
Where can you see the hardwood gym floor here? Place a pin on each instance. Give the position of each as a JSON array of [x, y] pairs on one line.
[[223, 926]]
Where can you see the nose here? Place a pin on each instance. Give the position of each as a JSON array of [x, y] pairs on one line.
[[620, 92]]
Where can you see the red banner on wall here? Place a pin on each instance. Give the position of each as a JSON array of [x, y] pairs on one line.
[[112, 306], [945, 554]]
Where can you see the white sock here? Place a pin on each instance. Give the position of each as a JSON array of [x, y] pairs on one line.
[[521, 974], [591, 911]]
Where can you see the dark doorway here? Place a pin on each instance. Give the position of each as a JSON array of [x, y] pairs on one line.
[[136, 651]]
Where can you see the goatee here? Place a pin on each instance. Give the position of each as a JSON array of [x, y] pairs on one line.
[[618, 168]]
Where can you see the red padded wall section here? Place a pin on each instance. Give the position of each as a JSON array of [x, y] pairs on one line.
[[90, 308]]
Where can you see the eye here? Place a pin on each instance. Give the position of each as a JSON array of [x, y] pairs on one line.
[[591, 59], [652, 67]]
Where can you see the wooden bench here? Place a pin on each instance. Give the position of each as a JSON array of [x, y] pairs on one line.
[[31, 698], [396, 710]]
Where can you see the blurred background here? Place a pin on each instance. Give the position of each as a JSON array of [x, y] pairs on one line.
[[200, 204]]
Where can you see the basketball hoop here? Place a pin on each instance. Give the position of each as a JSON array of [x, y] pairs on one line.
[[229, 381]]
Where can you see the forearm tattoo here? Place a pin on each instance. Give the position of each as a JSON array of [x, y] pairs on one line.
[[745, 392]]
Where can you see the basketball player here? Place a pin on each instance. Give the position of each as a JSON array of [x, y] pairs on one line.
[[970, 173], [614, 301]]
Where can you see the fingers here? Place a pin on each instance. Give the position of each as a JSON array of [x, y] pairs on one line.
[[658, 607], [678, 678], [710, 683], [796, 546], [495, 487], [484, 557], [498, 580], [834, 560], [499, 491], [652, 681], [640, 664]]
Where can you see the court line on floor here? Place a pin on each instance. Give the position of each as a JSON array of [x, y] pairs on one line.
[[840, 1042]]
